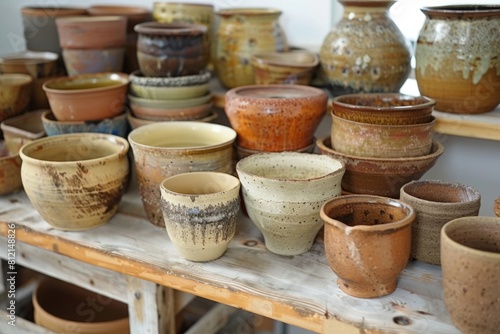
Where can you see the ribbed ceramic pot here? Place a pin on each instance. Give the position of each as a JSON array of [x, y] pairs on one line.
[[367, 242], [436, 202], [200, 210], [283, 193], [365, 51], [241, 33], [461, 74], [470, 261]]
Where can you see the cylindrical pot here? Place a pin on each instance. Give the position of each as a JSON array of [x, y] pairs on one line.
[[461, 74], [241, 33], [200, 210], [93, 60], [470, 260], [367, 242], [436, 202], [275, 118], [365, 51]]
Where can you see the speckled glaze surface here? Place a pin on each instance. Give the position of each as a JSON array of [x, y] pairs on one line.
[[461, 74], [165, 149], [275, 118], [15, 94], [283, 193], [381, 141], [200, 211], [470, 261], [367, 242], [138, 78], [436, 202], [10, 167], [241, 33], [78, 61], [365, 51], [75, 181], [380, 176]]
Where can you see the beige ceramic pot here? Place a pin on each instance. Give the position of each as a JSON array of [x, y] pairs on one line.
[[136, 122], [15, 94], [275, 118], [283, 193], [22, 129], [461, 74], [165, 149], [10, 167], [470, 259], [436, 202], [367, 242], [200, 210], [496, 207], [75, 181], [36, 64]]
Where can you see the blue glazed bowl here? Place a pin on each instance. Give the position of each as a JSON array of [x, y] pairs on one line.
[[116, 126]]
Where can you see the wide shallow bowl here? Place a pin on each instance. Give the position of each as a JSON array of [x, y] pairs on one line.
[[15, 94], [75, 181], [169, 93], [384, 108], [139, 79], [10, 170], [380, 176], [65, 308], [21, 129], [36, 64], [115, 126], [171, 114], [170, 104], [136, 122], [87, 97]]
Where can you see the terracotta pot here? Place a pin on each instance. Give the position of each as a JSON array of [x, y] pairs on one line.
[[10, 165], [275, 118], [365, 51], [93, 61], [470, 259], [367, 242], [36, 64], [200, 211], [241, 33], [283, 193], [133, 14], [461, 74], [171, 49], [436, 202], [15, 94]]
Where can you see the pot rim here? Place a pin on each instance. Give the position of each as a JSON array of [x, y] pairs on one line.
[[90, 19], [308, 91], [121, 79], [181, 4], [475, 194], [117, 10], [267, 58], [233, 183], [53, 11], [461, 12], [248, 11], [429, 103], [387, 127], [21, 79], [29, 57], [167, 29]]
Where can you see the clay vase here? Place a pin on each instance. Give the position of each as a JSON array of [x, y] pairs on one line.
[[470, 261], [241, 33], [367, 242], [436, 202], [275, 118], [461, 74], [365, 51]]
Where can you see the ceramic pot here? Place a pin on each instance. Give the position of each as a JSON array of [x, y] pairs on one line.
[[275, 118], [36, 64], [139, 79], [245, 152], [365, 51], [241, 33], [169, 148], [22, 129], [461, 74], [10, 165], [283, 193], [15, 94], [93, 60], [136, 122], [470, 260], [436, 202], [356, 226], [496, 207], [171, 49], [200, 210], [75, 181]]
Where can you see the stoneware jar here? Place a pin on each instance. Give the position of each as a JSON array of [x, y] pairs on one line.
[[283, 193], [470, 259], [436, 202], [365, 51], [367, 242], [241, 33], [275, 118], [200, 210], [461, 74]]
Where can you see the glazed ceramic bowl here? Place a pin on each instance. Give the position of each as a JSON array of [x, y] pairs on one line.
[[87, 97], [291, 67], [136, 122], [75, 181], [200, 211], [78, 61], [367, 242], [165, 149], [134, 14], [470, 262], [15, 94], [169, 93], [380, 140], [170, 104], [380, 176], [283, 193], [36, 64], [10, 170], [384, 108], [137, 78], [275, 118], [117, 125], [22, 129], [172, 114], [436, 202]]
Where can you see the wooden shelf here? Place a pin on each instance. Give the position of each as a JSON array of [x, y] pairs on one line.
[[298, 290]]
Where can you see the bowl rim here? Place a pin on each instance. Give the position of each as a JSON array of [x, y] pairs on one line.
[[46, 113], [29, 57], [21, 79], [125, 10], [431, 122], [337, 101], [168, 29], [452, 184], [247, 11], [310, 92], [91, 19], [122, 80], [261, 59], [160, 103]]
